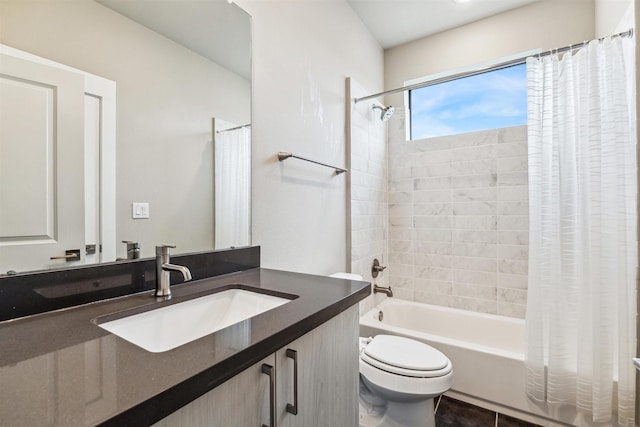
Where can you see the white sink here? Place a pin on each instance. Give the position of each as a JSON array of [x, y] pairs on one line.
[[169, 327]]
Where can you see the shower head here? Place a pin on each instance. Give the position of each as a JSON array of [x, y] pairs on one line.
[[386, 112]]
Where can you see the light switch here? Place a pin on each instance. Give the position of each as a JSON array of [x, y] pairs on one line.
[[139, 210]]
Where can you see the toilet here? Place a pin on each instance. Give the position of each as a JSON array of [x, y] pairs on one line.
[[400, 378]]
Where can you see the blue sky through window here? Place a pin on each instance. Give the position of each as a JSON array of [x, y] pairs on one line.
[[490, 100]]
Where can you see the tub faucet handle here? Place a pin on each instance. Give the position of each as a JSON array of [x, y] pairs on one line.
[[376, 268]]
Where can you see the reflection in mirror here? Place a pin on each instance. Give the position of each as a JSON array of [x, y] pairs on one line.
[[174, 67]]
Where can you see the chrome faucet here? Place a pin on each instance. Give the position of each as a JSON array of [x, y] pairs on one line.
[[163, 271], [383, 290]]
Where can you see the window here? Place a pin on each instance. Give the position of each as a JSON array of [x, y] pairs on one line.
[[490, 100]]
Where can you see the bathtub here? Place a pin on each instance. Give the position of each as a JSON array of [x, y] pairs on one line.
[[487, 353]]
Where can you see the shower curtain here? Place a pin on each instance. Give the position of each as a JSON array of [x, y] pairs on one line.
[[581, 308], [233, 188]]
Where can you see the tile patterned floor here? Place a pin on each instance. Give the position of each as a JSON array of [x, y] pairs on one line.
[[455, 413]]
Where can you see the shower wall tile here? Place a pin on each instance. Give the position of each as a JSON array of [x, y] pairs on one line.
[[477, 222], [438, 248], [513, 237], [400, 197], [475, 208], [469, 201], [370, 184], [512, 164], [474, 250], [518, 148], [475, 304], [432, 196], [513, 178], [433, 209], [477, 264], [407, 294], [401, 258], [429, 298], [434, 273], [434, 286], [513, 222], [432, 145], [513, 225], [512, 281], [474, 291], [474, 153], [469, 167], [511, 193], [474, 194], [485, 278], [424, 235], [512, 267], [480, 181], [512, 310], [438, 169], [474, 236]]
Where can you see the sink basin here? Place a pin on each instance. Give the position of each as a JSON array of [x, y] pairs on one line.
[[169, 327]]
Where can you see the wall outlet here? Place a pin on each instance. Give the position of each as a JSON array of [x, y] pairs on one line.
[[139, 210]]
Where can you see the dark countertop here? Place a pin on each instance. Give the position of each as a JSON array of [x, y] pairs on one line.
[[60, 368]]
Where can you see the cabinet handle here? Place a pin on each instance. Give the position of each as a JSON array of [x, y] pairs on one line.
[[293, 409], [268, 369]]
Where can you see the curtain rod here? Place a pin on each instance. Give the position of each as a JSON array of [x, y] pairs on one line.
[[628, 33], [235, 128]]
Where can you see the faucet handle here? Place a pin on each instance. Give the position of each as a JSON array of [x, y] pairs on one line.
[[376, 268], [164, 249]]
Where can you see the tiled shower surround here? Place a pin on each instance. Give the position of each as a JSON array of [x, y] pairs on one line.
[[458, 219], [368, 162]]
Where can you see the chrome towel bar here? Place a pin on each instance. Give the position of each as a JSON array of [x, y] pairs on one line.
[[284, 156]]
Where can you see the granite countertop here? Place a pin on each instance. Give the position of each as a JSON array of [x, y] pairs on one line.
[[60, 368]]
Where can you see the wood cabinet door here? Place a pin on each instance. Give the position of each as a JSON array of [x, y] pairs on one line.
[[242, 401], [327, 375]]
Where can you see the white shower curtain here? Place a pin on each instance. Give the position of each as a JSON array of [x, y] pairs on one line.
[[233, 188], [581, 308]]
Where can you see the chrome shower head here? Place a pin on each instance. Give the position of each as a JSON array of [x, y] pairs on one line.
[[386, 112]]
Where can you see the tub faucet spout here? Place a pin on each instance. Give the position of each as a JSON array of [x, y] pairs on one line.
[[163, 272], [383, 290]]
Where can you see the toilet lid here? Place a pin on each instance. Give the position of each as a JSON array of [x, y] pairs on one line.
[[405, 353]]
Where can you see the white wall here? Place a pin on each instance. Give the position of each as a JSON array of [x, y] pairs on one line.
[[302, 53], [166, 97], [545, 24]]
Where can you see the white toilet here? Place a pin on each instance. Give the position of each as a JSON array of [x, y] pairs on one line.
[[400, 378]]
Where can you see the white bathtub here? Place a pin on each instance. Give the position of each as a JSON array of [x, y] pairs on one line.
[[487, 353]]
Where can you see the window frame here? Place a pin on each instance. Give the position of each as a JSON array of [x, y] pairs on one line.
[[456, 74]]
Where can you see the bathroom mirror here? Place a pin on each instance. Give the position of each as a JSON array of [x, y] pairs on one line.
[[182, 74]]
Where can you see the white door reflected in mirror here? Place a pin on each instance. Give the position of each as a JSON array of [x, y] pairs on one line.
[[54, 130]]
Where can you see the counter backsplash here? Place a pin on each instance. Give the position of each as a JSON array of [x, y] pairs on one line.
[[38, 292]]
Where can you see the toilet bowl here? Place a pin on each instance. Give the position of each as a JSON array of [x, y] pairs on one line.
[[400, 378]]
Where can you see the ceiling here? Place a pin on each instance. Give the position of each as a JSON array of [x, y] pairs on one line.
[[394, 22], [221, 32], [216, 29]]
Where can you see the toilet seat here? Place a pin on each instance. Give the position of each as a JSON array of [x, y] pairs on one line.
[[388, 365], [404, 356]]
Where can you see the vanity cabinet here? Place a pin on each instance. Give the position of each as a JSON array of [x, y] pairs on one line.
[[323, 364]]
